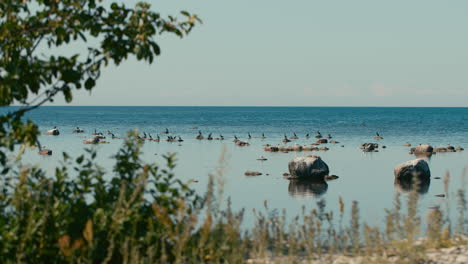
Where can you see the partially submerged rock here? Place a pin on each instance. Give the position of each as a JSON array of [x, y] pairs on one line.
[[286, 149], [242, 143], [440, 149], [322, 141], [94, 140], [422, 150], [369, 147], [331, 177], [45, 152], [414, 168], [309, 167], [252, 173], [53, 132]]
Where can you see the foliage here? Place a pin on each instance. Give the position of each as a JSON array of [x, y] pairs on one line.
[[28, 29], [139, 213], [88, 215]]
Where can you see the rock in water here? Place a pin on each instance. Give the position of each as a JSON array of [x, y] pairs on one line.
[[322, 141], [252, 173], [309, 167], [369, 147], [413, 168], [94, 140], [422, 150]]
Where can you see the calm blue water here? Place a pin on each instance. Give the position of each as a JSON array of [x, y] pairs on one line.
[[365, 177]]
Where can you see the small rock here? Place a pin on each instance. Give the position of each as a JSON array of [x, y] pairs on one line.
[[440, 149], [440, 195], [322, 141], [331, 177], [451, 148], [252, 173], [369, 147], [242, 143], [423, 149]]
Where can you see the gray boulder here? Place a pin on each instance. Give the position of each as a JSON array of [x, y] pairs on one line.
[[413, 168], [423, 149], [309, 167]]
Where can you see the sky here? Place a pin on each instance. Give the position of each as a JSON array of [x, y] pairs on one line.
[[301, 53]]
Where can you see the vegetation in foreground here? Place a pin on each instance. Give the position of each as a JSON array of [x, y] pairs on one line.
[[139, 213]]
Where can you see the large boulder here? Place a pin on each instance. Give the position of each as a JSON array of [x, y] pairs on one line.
[[413, 168], [309, 167]]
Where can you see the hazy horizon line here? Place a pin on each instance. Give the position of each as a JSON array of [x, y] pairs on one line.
[[279, 106]]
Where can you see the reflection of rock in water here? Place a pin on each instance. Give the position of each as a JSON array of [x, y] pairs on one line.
[[307, 188], [405, 186]]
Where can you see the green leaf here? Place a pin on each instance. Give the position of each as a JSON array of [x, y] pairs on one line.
[[67, 93], [90, 83]]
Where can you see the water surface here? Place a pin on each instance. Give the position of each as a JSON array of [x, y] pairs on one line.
[[364, 177]]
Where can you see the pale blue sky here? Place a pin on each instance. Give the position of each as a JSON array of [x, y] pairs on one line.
[[302, 53]]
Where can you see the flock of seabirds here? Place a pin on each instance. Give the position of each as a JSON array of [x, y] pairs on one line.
[[402, 171], [99, 138]]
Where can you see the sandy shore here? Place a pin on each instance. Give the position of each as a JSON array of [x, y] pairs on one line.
[[451, 255]]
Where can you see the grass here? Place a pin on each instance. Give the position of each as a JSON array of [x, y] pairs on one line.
[[143, 214]]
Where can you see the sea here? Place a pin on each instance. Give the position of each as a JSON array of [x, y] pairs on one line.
[[367, 178]]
